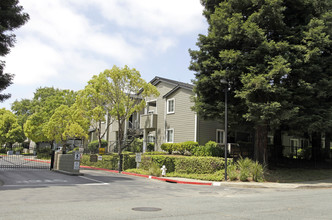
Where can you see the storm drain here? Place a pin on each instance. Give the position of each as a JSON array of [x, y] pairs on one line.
[[146, 209]]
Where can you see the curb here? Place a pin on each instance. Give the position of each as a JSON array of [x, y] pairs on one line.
[[154, 177]]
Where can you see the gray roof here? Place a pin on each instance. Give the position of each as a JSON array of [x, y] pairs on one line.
[[177, 84]]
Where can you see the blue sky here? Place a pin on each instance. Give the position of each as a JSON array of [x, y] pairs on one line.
[[66, 42]]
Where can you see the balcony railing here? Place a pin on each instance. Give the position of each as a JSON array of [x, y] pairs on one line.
[[148, 121]]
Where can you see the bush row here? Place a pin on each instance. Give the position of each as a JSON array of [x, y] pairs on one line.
[[179, 147], [186, 165], [211, 148], [110, 161]]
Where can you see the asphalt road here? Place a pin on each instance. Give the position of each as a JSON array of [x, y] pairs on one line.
[[102, 195]]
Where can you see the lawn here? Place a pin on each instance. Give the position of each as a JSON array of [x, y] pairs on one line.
[[283, 175]]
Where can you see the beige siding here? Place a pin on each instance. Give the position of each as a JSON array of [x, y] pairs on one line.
[[163, 88], [183, 118], [207, 130]]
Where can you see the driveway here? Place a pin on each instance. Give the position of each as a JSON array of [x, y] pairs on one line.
[[105, 195]]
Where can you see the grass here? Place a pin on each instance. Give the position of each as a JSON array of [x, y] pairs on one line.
[[278, 175], [296, 175]]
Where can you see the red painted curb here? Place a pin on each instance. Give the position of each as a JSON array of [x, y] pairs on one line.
[[135, 174], [150, 177], [40, 161]]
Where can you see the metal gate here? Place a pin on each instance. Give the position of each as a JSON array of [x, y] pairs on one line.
[[9, 162]]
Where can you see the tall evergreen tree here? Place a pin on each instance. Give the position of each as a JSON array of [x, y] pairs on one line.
[[266, 50], [11, 17]]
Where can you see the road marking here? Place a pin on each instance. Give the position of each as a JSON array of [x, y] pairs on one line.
[[98, 182]]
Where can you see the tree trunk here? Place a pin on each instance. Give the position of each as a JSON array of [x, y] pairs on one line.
[[120, 143], [261, 154], [327, 145], [276, 154], [277, 141], [316, 146]]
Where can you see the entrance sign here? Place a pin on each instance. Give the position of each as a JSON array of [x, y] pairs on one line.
[[76, 165], [77, 156]]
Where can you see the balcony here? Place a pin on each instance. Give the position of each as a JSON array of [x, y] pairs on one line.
[[148, 121]]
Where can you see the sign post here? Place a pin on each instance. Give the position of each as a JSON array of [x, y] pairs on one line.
[[138, 159]]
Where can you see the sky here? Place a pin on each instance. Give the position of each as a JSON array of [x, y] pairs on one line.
[[66, 42]]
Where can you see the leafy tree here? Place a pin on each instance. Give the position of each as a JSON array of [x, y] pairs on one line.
[[43, 105], [94, 100], [10, 130], [66, 123], [22, 111], [11, 17], [127, 92], [267, 51], [118, 93]]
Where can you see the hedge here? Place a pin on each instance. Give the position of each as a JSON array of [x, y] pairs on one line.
[[179, 164], [180, 147], [110, 161]]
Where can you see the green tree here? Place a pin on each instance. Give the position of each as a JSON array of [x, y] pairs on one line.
[[46, 100], [22, 111], [11, 17], [260, 47], [10, 130], [127, 92], [66, 123], [118, 93], [94, 100]]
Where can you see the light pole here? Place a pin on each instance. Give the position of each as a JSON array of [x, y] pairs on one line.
[[223, 81]]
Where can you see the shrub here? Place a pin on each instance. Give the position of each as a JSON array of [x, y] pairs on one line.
[[155, 153], [181, 148], [94, 145], [18, 149], [136, 146], [160, 160], [232, 172], [110, 161], [168, 147], [189, 145], [154, 170], [4, 150], [257, 171], [304, 153], [245, 168], [211, 149], [198, 164], [44, 152], [150, 147]]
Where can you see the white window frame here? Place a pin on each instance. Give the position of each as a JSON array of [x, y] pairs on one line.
[[223, 136], [167, 108], [167, 137], [151, 138]]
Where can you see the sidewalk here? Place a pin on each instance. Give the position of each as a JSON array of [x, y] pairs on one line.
[[300, 185]]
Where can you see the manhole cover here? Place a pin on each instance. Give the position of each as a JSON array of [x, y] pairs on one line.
[[146, 209]]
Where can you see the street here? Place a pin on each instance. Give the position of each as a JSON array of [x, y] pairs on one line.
[[102, 195]]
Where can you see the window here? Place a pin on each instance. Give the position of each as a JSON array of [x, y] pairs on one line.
[[220, 136], [170, 106], [169, 135], [151, 138], [294, 144]]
